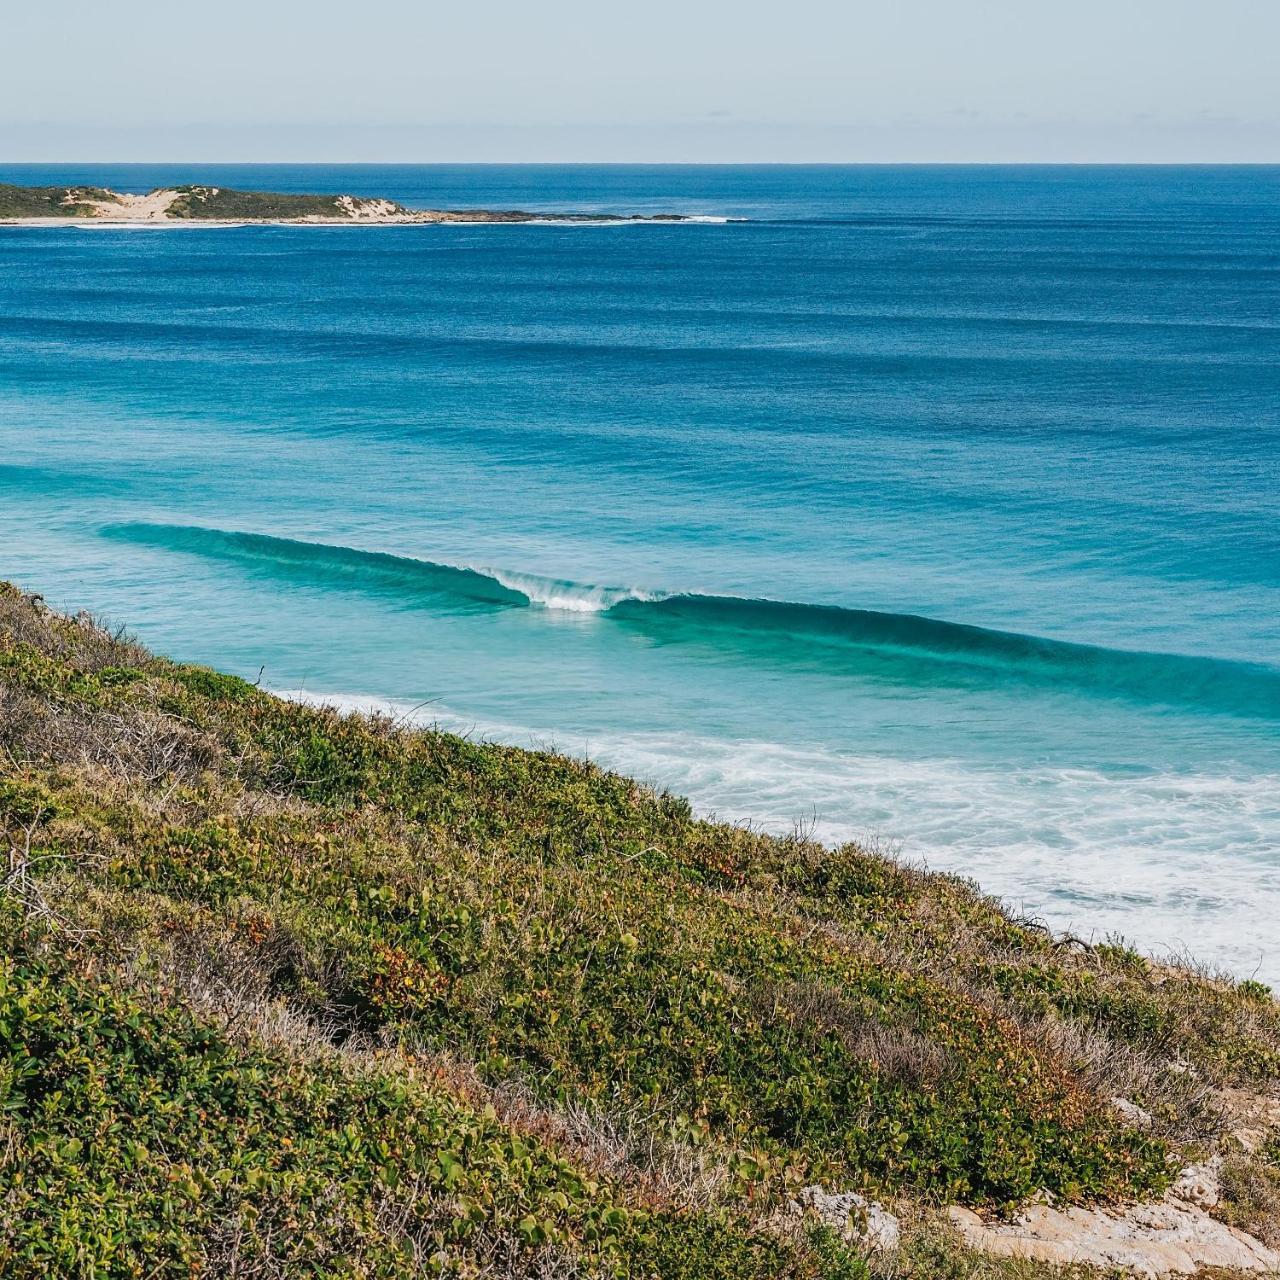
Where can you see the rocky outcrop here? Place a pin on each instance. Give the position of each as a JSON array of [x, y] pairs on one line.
[[860, 1222], [1174, 1236], [1134, 1114]]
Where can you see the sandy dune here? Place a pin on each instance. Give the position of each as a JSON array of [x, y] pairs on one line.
[[151, 207]]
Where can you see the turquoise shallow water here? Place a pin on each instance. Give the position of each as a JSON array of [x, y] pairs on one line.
[[931, 505]]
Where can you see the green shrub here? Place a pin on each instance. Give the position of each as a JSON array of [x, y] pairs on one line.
[[776, 1011]]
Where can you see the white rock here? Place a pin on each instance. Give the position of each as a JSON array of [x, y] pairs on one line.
[[859, 1221], [1172, 1236], [1133, 1113], [1198, 1184]]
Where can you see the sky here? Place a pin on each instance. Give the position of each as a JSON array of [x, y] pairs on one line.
[[643, 80]]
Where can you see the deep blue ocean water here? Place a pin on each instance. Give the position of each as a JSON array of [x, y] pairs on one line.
[[936, 506]]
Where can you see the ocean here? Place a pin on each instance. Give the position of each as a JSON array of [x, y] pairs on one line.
[[931, 507]]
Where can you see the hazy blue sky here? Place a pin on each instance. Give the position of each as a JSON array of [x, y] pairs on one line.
[[641, 80]]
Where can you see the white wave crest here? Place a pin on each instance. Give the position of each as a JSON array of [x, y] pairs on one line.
[[645, 220], [570, 597], [568, 222]]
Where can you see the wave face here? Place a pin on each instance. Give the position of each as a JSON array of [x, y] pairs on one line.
[[891, 648], [373, 572], [896, 646]]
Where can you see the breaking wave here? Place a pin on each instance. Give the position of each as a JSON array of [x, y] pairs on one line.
[[896, 648]]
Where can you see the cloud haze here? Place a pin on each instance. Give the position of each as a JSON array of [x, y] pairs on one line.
[[1160, 80]]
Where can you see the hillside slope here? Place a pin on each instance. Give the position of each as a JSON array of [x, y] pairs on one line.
[[285, 992]]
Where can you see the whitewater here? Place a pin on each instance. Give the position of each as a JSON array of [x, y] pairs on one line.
[[932, 508]]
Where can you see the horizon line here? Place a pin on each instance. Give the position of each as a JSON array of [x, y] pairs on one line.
[[679, 164]]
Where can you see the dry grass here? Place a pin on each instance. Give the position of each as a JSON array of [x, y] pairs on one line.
[[1251, 1192], [898, 1052]]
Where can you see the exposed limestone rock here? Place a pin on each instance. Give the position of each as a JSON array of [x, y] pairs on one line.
[[1198, 1184], [1133, 1113], [860, 1221], [1174, 1236]]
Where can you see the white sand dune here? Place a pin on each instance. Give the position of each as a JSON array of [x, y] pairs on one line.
[[152, 207]]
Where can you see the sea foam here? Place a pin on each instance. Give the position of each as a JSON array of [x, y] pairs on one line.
[[571, 597]]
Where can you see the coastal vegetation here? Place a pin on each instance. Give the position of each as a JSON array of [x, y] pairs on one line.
[[290, 992], [224, 203], [186, 203], [52, 202]]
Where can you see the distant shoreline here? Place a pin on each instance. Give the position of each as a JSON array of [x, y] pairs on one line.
[[534, 219], [197, 205]]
